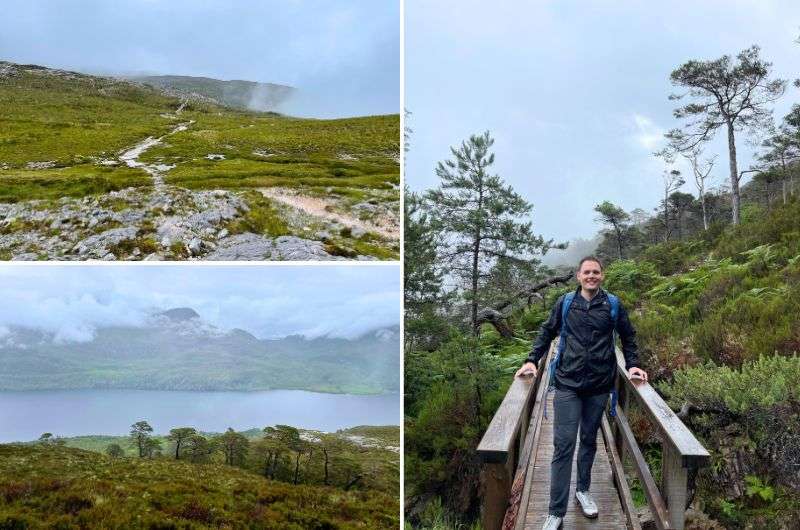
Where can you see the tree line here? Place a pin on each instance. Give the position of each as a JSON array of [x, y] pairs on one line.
[[282, 453]]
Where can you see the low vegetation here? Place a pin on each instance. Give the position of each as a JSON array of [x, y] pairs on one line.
[[51, 486]]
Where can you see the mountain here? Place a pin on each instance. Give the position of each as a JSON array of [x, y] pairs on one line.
[[246, 95], [178, 350]]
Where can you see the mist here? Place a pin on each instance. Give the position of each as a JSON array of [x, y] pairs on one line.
[[342, 58], [267, 301]]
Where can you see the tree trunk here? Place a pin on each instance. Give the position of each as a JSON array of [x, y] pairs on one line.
[[619, 240], [325, 452], [352, 482], [297, 468], [703, 204], [496, 319], [266, 465], [734, 173], [666, 214], [177, 449], [476, 251]]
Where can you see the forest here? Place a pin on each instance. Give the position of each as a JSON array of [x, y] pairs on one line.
[[278, 477], [711, 280]]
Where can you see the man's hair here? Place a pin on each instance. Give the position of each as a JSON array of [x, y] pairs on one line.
[[590, 258]]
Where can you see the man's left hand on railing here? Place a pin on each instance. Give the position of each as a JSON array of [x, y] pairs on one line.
[[528, 369], [637, 373]]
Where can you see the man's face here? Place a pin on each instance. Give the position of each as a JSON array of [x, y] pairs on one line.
[[590, 275]]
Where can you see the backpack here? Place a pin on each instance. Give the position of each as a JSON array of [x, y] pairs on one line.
[[562, 342]]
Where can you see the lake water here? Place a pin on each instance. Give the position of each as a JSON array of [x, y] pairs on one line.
[[25, 416]]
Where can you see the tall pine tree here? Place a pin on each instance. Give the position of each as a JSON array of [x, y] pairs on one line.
[[480, 216]]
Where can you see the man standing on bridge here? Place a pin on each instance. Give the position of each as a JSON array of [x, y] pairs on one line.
[[587, 320]]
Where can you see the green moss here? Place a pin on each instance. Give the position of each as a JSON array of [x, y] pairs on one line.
[[77, 181], [262, 218]]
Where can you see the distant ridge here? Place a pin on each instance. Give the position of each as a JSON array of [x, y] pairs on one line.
[[181, 314], [236, 93]]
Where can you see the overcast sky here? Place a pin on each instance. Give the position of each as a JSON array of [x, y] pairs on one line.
[[574, 91], [343, 55], [267, 301]]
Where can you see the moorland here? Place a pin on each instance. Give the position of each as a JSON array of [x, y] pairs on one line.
[[105, 168]]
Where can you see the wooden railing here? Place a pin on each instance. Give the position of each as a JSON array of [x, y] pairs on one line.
[[507, 443], [681, 456], [511, 436]]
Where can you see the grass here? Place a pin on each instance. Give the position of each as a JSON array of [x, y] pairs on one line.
[[60, 487], [74, 181], [76, 120], [47, 117], [262, 218]]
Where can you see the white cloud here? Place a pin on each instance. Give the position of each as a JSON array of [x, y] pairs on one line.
[[648, 135], [73, 302]]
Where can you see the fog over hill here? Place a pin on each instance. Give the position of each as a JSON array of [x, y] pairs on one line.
[[177, 349], [246, 95]]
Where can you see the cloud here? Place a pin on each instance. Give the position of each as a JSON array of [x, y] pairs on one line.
[[648, 134], [72, 302]]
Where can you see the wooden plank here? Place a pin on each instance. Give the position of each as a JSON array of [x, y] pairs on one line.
[[672, 429], [501, 435], [657, 506], [602, 488], [619, 478]]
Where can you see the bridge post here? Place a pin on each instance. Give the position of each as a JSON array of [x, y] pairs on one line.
[[674, 485], [623, 402], [497, 479]]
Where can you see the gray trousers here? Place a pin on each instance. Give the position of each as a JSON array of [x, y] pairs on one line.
[[572, 410]]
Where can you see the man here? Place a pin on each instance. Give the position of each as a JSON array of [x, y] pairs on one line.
[[584, 377]]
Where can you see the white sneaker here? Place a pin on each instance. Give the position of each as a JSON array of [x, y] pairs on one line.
[[587, 504], [553, 522]]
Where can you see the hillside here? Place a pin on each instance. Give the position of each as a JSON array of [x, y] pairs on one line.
[[51, 486], [178, 350], [102, 168], [238, 94], [716, 314]]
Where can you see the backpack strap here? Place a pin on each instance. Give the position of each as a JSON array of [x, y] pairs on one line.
[[613, 300], [562, 339]]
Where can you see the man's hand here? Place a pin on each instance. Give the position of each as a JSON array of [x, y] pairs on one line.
[[527, 369], [637, 373]]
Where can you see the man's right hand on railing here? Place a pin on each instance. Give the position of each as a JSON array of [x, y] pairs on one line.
[[528, 369]]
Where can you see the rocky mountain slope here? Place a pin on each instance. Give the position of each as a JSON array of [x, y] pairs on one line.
[[102, 168]]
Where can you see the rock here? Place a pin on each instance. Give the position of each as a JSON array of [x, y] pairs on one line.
[[155, 256], [297, 249], [357, 232], [97, 245], [171, 230], [222, 233], [195, 246], [215, 156], [41, 165], [109, 257], [322, 235], [247, 247], [26, 256]]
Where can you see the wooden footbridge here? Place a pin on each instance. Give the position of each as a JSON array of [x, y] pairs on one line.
[[518, 445]]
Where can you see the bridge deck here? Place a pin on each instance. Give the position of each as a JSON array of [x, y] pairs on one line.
[[611, 516]]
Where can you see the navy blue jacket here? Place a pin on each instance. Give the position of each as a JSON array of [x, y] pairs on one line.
[[588, 363]]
